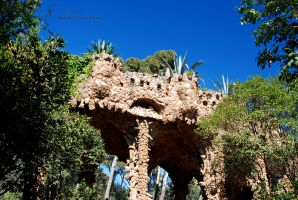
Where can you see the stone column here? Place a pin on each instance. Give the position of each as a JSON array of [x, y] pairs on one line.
[[131, 167], [143, 147], [137, 164], [213, 175]]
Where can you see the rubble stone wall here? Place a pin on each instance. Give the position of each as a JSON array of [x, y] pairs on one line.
[[149, 120], [165, 98]]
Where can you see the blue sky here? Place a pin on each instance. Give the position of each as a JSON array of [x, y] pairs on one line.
[[207, 30]]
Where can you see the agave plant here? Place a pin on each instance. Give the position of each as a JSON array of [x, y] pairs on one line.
[[102, 46], [223, 86], [180, 67]]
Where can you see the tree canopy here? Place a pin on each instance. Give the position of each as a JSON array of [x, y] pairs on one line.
[[276, 33], [42, 144], [258, 119], [17, 17], [151, 64]]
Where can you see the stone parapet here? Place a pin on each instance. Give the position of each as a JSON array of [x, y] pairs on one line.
[[163, 98]]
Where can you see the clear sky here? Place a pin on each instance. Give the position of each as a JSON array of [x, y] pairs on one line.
[[207, 30]]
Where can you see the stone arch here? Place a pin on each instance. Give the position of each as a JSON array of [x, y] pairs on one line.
[[114, 141], [179, 152], [149, 125]]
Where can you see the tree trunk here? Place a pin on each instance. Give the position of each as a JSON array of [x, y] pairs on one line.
[[29, 190], [111, 178], [157, 183], [164, 184]]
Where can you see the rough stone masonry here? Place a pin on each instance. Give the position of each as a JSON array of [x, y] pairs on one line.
[[149, 120]]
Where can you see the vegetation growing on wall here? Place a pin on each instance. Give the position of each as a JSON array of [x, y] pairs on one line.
[[180, 66], [79, 69], [102, 46]]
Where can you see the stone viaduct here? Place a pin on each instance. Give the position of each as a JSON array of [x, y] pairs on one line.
[[149, 120]]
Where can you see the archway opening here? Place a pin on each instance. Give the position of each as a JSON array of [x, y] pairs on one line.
[[147, 104], [160, 185]]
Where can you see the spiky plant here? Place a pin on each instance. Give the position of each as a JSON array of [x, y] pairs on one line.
[[180, 67], [222, 86], [102, 46]]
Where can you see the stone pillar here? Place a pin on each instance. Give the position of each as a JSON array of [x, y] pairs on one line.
[[131, 167], [143, 141], [214, 179], [137, 164]]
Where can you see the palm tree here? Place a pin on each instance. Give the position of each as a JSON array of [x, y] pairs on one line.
[[102, 46]]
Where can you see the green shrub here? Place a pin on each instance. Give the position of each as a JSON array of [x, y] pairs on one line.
[[258, 119]]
